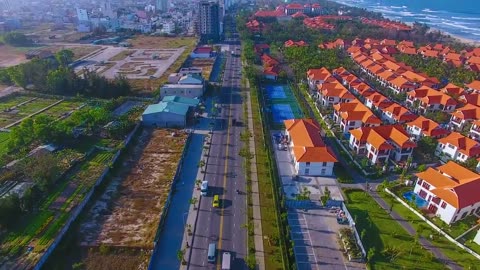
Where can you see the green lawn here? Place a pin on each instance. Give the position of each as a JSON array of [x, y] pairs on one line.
[[394, 247], [4, 139], [270, 226], [468, 240], [455, 253]]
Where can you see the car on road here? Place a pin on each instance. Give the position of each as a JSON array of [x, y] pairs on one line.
[[226, 259], [212, 249], [204, 188], [216, 201]]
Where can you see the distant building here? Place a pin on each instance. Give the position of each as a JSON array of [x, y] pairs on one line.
[[38, 54], [161, 5], [172, 111], [208, 21], [202, 52], [190, 86]]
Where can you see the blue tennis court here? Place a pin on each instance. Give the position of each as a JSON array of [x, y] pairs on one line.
[[282, 112], [275, 91]]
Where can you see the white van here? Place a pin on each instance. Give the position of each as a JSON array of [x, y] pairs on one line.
[[226, 259], [204, 188], [212, 249]]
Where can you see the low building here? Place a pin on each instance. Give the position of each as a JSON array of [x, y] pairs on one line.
[[317, 76], [311, 156], [424, 127], [354, 114], [450, 191], [383, 143], [457, 147], [38, 54], [426, 99], [172, 111], [460, 117], [202, 52], [190, 85]]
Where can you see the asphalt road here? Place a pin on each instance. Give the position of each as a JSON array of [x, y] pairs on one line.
[[224, 171]]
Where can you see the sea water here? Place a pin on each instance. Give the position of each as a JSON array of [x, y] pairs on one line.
[[459, 18]]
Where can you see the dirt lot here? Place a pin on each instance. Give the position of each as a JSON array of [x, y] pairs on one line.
[[9, 56], [148, 42], [127, 214]]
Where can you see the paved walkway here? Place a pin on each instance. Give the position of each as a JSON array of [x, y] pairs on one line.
[[406, 225], [257, 216]]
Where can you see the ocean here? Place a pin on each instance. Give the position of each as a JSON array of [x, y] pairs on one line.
[[459, 18]]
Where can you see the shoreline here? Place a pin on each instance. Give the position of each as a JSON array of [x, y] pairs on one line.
[[455, 37]]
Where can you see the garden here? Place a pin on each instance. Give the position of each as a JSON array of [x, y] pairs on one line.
[[461, 257], [36, 231], [387, 244]]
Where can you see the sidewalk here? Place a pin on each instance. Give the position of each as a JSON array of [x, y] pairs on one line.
[[424, 242], [257, 216]]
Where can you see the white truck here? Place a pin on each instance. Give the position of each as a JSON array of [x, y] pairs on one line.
[[226, 259]]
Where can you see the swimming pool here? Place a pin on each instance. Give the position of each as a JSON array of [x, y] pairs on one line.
[[409, 195]]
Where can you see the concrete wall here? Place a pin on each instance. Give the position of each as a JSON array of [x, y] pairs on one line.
[[315, 168]]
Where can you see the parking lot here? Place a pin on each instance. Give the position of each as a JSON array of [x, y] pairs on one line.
[[313, 228]]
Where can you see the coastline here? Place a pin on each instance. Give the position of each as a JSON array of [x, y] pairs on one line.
[[455, 37]]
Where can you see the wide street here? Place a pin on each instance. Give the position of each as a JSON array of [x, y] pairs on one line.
[[224, 171]]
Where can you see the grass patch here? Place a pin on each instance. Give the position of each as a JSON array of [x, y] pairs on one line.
[[468, 241], [450, 250], [270, 225], [4, 139], [394, 247]]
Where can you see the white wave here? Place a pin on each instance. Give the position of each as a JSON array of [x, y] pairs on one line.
[[466, 18], [430, 11], [397, 7], [460, 26]]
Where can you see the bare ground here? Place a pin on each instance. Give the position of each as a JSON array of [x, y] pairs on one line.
[[128, 213], [9, 56]]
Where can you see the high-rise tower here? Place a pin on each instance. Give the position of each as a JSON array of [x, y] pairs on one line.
[[209, 21]]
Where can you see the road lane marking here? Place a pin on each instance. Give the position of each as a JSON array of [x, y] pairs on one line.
[[224, 180]]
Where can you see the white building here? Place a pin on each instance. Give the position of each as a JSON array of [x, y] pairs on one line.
[[172, 111], [311, 156], [450, 191], [457, 147], [381, 144]]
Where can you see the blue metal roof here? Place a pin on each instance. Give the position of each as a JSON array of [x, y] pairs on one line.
[[184, 100], [171, 107]]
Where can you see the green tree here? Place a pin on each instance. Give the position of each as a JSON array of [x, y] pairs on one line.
[[17, 39], [64, 57], [43, 169]]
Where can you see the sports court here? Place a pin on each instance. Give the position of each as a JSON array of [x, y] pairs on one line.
[[281, 104]]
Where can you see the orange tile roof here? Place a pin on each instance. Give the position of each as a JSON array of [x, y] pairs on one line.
[[475, 85], [473, 99], [453, 90], [430, 53], [465, 145], [356, 111], [308, 145], [431, 96], [468, 112], [400, 82], [380, 136], [305, 131], [400, 113], [317, 74], [387, 75], [453, 183], [428, 127], [474, 60]]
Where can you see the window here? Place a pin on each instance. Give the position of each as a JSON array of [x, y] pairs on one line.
[[323, 172], [426, 185], [451, 146], [351, 123], [324, 164], [307, 164], [307, 171]]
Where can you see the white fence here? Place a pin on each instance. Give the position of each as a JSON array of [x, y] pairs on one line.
[[354, 228], [435, 227]]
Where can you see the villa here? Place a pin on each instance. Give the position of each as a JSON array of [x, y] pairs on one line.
[[383, 143], [457, 147], [311, 156], [450, 190]]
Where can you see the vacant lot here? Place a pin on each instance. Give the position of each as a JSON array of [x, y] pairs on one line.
[[128, 213], [10, 56], [148, 42]]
